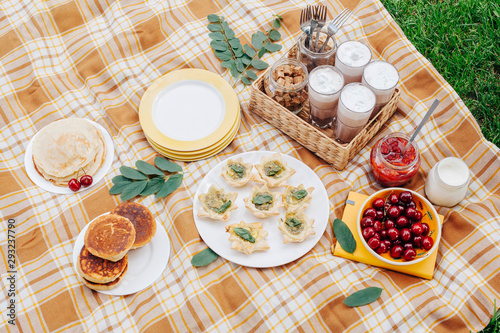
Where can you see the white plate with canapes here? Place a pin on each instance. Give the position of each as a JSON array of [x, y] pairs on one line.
[[213, 231], [49, 186], [145, 264]]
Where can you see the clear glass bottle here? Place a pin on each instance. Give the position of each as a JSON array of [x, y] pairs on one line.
[[447, 182], [389, 167], [293, 97]]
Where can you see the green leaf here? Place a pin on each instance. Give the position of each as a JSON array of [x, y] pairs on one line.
[[214, 27], [259, 64], [166, 165], [244, 233], [120, 180], [293, 223], [262, 51], [344, 236], [118, 188], [235, 43], [132, 173], [213, 18], [224, 207], [299, 194], [153, 186], [278, 16], [223, 55], [363, 296], [251, 75], [148, 169], [132, 190], [172, 183], [238, 52], [277, 23], [227, 63], [219, 45], [204, 258], [216, 36], [261, 199], [274, 35], [246, 60], [257, 42], [229, 33], [239, 65], [245, 80], [234, 71], [272, 47], [238, 169], [249, 51]]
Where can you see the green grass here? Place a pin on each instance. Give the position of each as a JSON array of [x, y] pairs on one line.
[[461, 38]]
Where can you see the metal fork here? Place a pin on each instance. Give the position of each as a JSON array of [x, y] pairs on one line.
[[305, 23], [320, 14], [314, 22], [335, 25]]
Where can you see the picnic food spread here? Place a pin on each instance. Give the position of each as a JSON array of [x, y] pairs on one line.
[[260, 211]]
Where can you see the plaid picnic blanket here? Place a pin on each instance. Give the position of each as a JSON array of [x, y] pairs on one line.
[[95, 59]]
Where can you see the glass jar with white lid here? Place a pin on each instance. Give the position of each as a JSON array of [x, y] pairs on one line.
[[447, 182]]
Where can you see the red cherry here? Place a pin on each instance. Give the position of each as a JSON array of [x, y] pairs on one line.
[[86, 180], [411, 213], [370, 212], [383, 234], [426, 229], [408, 246], [387, 243], [368, 233], [411, 204], [405, 234], [402, 221], [74, 185], [373, 242], [367, 221], [393, 199], [418, 215], [389, 224], [417, 228], [417, 241], [406, 196], [393, 233], [382, 248], [393, 212], [409, 254], [396, 251], [427, 242], [377, 225], [378, 203], [380, 215]]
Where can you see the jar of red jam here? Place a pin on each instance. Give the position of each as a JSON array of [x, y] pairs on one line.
[[389, 167]]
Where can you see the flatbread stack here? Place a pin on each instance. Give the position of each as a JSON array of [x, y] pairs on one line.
[[66, 149], [103, 260]]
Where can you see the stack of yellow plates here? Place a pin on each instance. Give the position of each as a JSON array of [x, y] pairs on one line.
[[190, 114]]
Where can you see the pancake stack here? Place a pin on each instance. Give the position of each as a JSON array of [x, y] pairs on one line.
[[67, 149], [103, 260]]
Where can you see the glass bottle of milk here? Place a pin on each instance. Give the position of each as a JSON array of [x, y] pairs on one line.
[[447, 182]]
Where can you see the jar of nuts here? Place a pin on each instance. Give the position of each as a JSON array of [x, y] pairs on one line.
[[286, 83], [311, 57]]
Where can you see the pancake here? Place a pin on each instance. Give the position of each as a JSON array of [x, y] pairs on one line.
[[142, 219], [98, 270], [68, 148], [105, 286], [110, 237]]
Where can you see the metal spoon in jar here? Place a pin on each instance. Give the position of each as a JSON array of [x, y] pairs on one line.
[[422, 123]]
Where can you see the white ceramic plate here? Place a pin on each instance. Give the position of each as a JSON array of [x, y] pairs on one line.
[[213, 231], [145, 264], [49, 186]]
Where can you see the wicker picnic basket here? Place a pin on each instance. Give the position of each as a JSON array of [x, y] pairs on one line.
[[319, 141]]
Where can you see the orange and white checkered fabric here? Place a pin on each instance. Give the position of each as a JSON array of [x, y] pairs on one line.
[[95, 59]]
